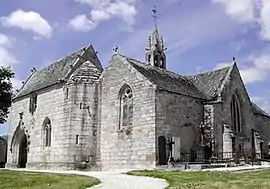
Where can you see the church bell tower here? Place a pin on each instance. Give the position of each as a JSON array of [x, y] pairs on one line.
[[155, 55]]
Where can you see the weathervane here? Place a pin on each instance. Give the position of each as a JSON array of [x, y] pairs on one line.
[[154, 10]]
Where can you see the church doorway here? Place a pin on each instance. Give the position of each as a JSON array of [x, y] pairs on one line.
[[207, 152], [22, 160], [162, 158]]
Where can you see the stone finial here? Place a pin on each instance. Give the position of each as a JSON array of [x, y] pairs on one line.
[[234, 60]]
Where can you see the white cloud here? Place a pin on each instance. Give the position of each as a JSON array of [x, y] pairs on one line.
[[81, 23], [182, 34], [122, 10], [263, 101], [28, 21], [6, 57], [103, 10], [240, 10], [252, 75], [265, 21], [99, 15], [96, 4], [258, 69], [4, 41], [222, 65], [245, 11]]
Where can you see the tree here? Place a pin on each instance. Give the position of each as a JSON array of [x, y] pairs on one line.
[[5, 92]]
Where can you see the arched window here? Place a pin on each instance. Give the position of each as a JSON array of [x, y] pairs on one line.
[[236, 114], [47, 128], [126, 109]]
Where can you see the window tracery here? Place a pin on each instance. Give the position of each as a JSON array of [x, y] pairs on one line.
[[126, 109], [47, 128], [236, 114]]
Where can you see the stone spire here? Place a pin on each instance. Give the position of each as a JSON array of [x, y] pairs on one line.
[[155, 51]]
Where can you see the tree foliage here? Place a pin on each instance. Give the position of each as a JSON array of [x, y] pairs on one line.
[[5, 92]]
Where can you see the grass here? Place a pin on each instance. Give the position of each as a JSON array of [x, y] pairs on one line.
[[211, 180], [31, 180]]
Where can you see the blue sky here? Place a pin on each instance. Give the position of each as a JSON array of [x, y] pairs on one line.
[[200, 35]]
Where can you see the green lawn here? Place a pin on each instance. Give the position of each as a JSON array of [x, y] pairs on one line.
[[209, 180], [31, 180]]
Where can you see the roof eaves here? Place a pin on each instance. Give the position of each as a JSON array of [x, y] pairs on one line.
[[175, 92], [39, 89]]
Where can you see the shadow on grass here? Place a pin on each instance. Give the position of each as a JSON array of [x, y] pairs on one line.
[[209, 180]]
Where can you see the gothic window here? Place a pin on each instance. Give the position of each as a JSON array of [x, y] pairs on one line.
[[126, 111], [33, 104], [47, 128], [236, 114]]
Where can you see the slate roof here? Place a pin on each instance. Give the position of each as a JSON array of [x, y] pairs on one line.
[[205, 85], [51, 74], [210, 82], [87, 71], [166, 80], [258, 110]]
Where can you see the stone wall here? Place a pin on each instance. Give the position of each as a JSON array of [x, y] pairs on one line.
[[178, 116], [222, 114], [3, 151], [71, 117], [263, 127], [80, 116], [49, 104], [122, 147]]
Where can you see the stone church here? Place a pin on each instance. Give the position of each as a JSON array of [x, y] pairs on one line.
[[131, 114]]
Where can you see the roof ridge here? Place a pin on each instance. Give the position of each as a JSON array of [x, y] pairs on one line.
[[66, 56], [210, 71], [51, 74], [193, 91], [161, 69]]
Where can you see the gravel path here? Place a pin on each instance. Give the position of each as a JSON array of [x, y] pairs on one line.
[[114, 180]]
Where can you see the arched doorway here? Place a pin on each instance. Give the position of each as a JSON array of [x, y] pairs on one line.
[[162, 158], [22, 159]]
